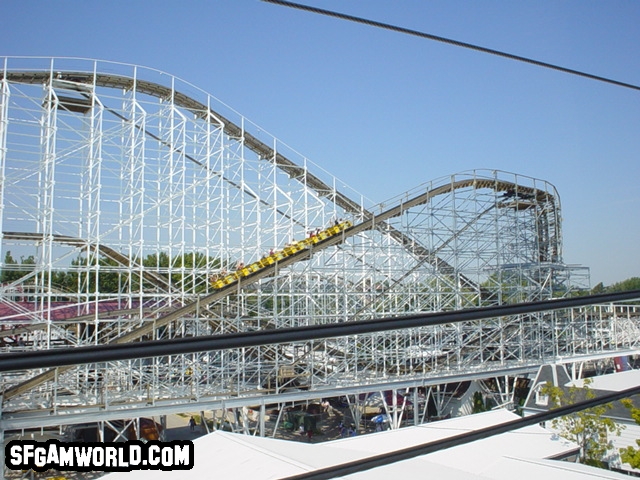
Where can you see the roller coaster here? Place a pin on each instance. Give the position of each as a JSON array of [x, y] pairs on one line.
[[141, 208], [316, 238]]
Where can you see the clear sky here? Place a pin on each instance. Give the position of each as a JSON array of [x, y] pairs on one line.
[[384, 111]]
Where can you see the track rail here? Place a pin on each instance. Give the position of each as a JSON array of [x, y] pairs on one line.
[[371, 219], [271, 270], [107, 353], [157, 279], [263, 150]]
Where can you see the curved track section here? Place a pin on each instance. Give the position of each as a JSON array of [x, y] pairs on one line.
[[81, 81], [269, 265], [135, 192]]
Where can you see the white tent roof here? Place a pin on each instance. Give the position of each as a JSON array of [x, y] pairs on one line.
[[613, 382], [520, 454]]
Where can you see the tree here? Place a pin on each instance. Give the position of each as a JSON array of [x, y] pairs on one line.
[[7, 274], [589, 428], [13, 270], [85, 279], [478, 403], [599, 288], [629, 454], [632, 283]]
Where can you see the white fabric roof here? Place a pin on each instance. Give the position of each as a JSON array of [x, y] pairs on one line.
[[519, 454], [613, 382]]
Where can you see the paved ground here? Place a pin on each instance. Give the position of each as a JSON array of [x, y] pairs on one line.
[[178, 428], [328, 427]]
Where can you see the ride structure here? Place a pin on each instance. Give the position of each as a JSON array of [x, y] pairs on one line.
[[268, 260], [129, 195]]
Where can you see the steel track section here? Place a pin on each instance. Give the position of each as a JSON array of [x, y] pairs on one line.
[[264, 151], [134, 190], [26, 418], [264, 272]]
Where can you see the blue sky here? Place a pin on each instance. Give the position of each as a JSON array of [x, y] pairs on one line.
[[384, 111]]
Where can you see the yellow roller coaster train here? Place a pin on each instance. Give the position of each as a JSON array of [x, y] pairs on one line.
[[291, 249]]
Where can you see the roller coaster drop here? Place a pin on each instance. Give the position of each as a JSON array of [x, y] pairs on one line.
[[108, 169]]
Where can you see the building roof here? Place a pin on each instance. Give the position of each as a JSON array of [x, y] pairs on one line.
[[613, 382], [599, 385], [526, 451]]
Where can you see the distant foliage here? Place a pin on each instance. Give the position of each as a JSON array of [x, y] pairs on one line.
[[105, 275], [13, 270], [478, 403], [632, 283], [629, 454]]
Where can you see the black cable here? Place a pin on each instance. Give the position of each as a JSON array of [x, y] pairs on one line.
[[388, 458], [58, 357], [449, 41]]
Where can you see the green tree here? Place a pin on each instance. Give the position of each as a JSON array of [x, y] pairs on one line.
[[629, 454], [599, 288], [632, 283], [589, 428], [190, 263], [478, 403], [11, 271], [82, 278], [184, 269]]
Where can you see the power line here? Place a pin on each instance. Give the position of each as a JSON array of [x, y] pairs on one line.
[[58, 357], [449, 41]]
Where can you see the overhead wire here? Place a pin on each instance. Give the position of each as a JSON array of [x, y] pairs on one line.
[[59, 357], [449, 41]]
